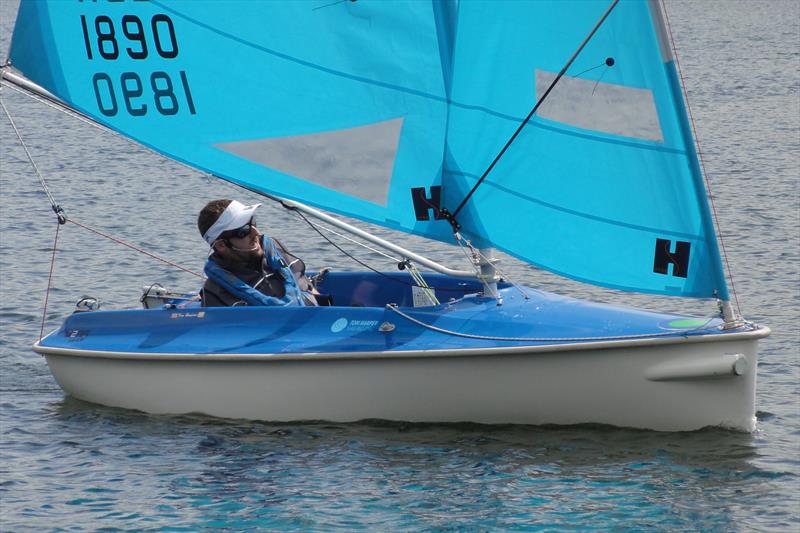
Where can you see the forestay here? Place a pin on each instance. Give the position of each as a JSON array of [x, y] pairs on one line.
[[386, 111]]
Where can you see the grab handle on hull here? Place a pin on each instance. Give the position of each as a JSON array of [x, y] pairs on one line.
[[725, 365]]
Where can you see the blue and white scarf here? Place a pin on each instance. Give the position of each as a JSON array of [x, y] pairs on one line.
[[251, 295]]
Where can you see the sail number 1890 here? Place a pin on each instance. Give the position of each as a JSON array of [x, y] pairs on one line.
[[136, 39], [105, 40]]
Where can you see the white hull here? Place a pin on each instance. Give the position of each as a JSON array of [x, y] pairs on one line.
[[661, 384]]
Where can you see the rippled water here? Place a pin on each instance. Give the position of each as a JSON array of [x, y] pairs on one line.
[[68, 465]]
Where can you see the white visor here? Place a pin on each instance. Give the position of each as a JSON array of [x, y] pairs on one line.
[[235, 216]]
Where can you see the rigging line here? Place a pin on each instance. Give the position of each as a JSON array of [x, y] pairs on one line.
[[83, 118], [581, 73], [464, 244], [49, 281], [452, 217], [62, 219], [280, 202], [504, 277], [470, 259], [56, 208], [423, 284], [374, 250], [394, 308], [702, 162], [365, 265], [133, 247], [314, 227], [331, 4], [598, 81], [49, 102]]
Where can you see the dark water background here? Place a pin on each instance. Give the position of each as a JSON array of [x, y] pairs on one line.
[[68, 465]]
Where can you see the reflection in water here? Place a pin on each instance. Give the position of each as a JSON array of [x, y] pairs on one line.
[[321, 475]]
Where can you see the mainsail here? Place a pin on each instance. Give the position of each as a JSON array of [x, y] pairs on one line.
[[390, 111]]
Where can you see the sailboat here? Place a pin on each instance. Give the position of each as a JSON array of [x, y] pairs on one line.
[[553, 131]]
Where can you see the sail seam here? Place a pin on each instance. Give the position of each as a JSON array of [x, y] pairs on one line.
[[452, 216], [587, 215], [443, 99]]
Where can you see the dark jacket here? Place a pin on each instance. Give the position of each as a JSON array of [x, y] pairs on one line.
[[260, 277]]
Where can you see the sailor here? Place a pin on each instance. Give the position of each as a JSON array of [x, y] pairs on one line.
[[245, 266]]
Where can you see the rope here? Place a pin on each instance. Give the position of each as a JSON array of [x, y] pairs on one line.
[[83, 118], [49, 281], [56, 208], [451, 217], [414, 272], [463, 244], [702, 162], [62, 219], [365, 265], [66, 110], [359, 243], [393, 307], [133, 247], [504, 277]]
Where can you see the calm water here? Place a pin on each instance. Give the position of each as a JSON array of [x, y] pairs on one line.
[[68, 465]]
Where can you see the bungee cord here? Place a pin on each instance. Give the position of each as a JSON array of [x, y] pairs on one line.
[[394, 308]]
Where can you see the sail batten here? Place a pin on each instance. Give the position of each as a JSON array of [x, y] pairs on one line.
[[390, 111]]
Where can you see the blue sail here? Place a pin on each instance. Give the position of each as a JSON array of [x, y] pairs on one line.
[[386, 111], [603, 184], [340, 106]]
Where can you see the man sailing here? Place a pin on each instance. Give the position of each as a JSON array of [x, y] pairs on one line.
[[245, 266]]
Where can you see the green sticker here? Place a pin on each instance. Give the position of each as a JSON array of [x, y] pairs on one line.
[[688, 323]]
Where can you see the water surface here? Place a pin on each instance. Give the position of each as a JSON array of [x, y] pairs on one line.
[[68, 465]]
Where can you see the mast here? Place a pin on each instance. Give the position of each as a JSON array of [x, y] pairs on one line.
[[489, 276]]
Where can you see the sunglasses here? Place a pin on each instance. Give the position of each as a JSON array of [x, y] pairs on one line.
[[240, 233]]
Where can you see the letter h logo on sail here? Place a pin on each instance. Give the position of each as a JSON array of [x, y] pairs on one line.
[[424, 203], [679, 258]]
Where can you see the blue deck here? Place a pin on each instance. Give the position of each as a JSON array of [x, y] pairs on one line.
[[352, 325]]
